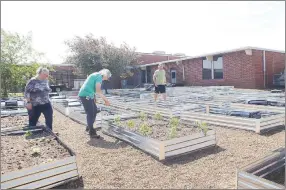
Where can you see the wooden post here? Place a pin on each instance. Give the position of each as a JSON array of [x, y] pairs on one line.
[[236, 182], [162, 151], [257, 126], [207, 109]]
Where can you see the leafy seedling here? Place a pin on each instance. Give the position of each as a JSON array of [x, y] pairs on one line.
[[203, 126], [145, 129], [28, 134], [173, 132], [158, 116], [117, 120], [143, 116], [130, 124], [174, 121]]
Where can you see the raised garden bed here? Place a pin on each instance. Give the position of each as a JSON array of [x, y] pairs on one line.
[[9, 122], [79, 116], [266, 173], [258, 125], [13, 112], [159, 136], [38, 159]]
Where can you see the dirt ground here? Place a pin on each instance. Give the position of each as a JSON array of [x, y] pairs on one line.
[[157, 128], [19, 152], [108, 163], [7, 122]]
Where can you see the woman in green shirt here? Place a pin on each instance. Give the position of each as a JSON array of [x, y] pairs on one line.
[[90, 87]]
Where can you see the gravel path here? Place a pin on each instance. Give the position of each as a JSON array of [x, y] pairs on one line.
[[109, 163]]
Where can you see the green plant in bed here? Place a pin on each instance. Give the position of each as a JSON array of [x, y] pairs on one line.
[[158, 116], [145, 129]]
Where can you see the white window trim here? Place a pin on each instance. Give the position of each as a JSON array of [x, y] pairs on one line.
[[212, 71]]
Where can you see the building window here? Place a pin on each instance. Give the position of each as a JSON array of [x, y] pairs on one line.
[[213, 69], [207, 69], [218, 68]]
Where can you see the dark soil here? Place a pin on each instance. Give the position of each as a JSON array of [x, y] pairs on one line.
[[277, 176], [18, 152], [14, 121], [160, 129]]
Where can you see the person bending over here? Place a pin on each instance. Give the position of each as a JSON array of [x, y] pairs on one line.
[[87, 92]]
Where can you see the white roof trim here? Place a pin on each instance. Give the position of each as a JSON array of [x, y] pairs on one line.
[[209, 54]]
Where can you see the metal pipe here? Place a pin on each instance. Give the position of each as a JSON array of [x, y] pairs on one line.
[[264, 69], [183, 72]]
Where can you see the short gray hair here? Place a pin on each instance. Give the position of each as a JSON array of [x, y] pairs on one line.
[[161, 64], [105, 72], [42, 70]]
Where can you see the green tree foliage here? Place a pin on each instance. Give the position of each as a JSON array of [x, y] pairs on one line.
[[90, 54], [19, 61]]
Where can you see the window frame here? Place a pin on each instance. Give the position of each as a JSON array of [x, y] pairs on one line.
[[215, 58]]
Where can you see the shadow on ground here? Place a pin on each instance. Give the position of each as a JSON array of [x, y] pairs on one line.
[[190, 157], [76, 184], [270, 132], [102, 143]]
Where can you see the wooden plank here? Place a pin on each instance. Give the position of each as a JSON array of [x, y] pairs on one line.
[[187, 138], [50, 180], [272, 125], [144, 146], [259, 181], [226, 120], [59, 183], [241, 119], [280, 116], [38, 176], [191, 148], [252, 167], [162, 151], [275, 164], [130, 134], [246, 185], [269, 122], [189, 143], [37, 169], [224, 124]]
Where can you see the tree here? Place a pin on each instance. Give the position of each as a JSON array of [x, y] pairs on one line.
[[90, 55], [18, 60]]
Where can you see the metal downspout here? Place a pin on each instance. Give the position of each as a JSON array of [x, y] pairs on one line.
[[264, 69]]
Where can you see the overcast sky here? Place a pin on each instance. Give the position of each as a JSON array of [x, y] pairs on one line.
[[190, 27]]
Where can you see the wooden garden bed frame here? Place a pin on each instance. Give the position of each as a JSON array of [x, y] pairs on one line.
[[162, 149], [43, 176], [201, 114], [74, 115], [256, 125], [251, 176]]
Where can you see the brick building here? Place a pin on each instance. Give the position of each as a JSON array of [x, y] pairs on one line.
[[247, 67], [147, 58], [64, 74]]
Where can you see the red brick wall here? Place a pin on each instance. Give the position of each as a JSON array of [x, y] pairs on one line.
[[239, 70], [275, 64]]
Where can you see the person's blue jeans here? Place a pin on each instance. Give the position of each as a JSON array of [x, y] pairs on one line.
[[90, 109], [36, 112]]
